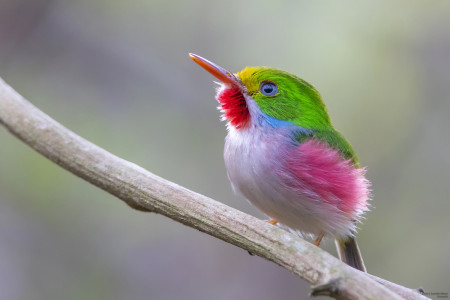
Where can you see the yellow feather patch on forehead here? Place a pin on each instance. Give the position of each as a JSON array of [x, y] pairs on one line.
[[250, 79]]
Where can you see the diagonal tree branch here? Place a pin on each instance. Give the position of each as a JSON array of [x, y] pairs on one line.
[[145, 191]]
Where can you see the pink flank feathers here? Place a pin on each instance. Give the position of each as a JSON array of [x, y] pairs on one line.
[[336, 181]]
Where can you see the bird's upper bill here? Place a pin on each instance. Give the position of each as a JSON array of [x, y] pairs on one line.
[[226, 77], [231, 97]]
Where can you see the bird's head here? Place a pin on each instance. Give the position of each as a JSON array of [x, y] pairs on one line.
[[267, 97]]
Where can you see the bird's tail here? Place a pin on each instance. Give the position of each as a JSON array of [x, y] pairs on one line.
[[349, 253]]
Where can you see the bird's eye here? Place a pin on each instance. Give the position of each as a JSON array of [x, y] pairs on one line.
[[268, 88]]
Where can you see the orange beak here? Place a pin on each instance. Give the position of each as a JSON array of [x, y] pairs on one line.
[[227, 78]]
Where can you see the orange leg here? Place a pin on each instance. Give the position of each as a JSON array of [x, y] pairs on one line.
[[319, 239], [273, 222]]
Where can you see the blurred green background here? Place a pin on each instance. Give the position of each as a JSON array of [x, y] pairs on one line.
[[118, 74]]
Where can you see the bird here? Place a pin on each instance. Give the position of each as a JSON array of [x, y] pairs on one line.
[[284, 156]]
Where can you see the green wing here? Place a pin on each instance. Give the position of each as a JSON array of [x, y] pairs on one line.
[[332, 138]]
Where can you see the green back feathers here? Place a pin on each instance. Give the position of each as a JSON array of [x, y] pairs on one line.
[[297, 102], [334, 139]]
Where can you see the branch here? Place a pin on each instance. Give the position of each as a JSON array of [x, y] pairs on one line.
[[145, 191]]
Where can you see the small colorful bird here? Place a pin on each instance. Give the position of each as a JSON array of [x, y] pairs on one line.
[[283, 154]]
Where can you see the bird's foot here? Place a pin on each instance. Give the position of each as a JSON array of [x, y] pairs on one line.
[[319, 239], [273, 222]]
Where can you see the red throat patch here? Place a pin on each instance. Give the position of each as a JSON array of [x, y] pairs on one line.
[[234, 107]]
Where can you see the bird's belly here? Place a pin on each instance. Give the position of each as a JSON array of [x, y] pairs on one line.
[[256, 167]]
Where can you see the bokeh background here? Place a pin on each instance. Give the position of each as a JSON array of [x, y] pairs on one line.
[[118, 74]]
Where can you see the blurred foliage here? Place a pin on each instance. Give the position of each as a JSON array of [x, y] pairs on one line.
[[117, 73]]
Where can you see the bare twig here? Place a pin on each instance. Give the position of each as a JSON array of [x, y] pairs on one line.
[[145, 191]]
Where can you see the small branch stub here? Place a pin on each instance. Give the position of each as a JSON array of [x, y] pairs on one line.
[[330, 289]]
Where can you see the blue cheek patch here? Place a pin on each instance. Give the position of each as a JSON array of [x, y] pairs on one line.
[[296, 131], [275, 123]]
